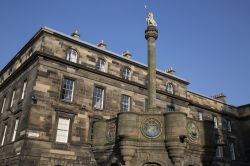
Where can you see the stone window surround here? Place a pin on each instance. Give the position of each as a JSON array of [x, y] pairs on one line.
[[68, 58], [73, 91], [3, 104], [15, 129], [4, 123], [13, 95], [3, 138], [125, 74], [168, 86], [229, 125], [24, 89], [130, 103], [62, 113], [231, 148], [92, 120], [17, 115], [99, 67], [219, 151], [200, 116], [104, 97], [215, 120], [170, 107]]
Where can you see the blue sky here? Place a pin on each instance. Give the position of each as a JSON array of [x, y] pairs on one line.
[[206, 41]]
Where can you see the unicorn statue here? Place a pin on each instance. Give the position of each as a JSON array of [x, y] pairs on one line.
[[150, 19]]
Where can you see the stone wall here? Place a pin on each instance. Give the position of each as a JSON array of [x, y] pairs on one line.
[[20, 109]]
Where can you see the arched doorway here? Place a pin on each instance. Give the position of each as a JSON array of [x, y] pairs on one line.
[[151, 164]]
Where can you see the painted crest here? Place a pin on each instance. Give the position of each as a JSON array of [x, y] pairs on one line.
[[151, 128]]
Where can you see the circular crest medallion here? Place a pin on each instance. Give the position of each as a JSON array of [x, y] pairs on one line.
[[111, 131], [193, 132], [151, 128]]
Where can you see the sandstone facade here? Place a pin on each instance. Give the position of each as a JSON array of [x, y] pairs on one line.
[[108, 136]]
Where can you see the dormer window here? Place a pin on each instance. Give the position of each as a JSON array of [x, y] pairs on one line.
[[126, 73], [72, 55], [100, 65], [170, 88]]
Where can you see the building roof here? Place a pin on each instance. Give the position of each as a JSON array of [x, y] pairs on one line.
[[86, 44]]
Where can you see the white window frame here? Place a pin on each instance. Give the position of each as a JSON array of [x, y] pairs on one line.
[[62, 132], [229, 126], [125, 103], [24, 89], [72, 55], [127, 73], [200, 115], [4, 134], [3, 105], [215, 121], [232, 151], [170, 88], [68, 90], [13, 97], [99, 98], [100, 65], [15, 129]]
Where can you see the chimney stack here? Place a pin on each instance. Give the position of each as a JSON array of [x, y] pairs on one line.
[[170, 71], [102, 44], [220, 97], [127, 54], [76, 34]]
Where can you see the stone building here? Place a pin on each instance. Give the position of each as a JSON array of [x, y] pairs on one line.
[[64, 101]]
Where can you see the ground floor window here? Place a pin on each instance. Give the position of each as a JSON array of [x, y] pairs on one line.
[[62, 133]]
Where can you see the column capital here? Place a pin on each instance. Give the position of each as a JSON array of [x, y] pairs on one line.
[[151, 31]]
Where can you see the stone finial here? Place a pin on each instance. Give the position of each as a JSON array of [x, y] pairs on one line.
[[220, 97], [127, 54], [170, 71], [76, 34], [101, 44]]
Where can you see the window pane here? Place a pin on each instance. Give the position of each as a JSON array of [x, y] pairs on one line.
[[170, 88], [98, 98], [72, 55], [100, 65], [24, 89], [232, 152], [127, 73], [229, 126], [12, 99], [200, 116], [4, 133], [215, 122], [15, 130], [125, 103], [4, 100], [67, 91]]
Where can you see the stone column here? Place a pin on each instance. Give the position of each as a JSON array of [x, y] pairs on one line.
[[151, 34]]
